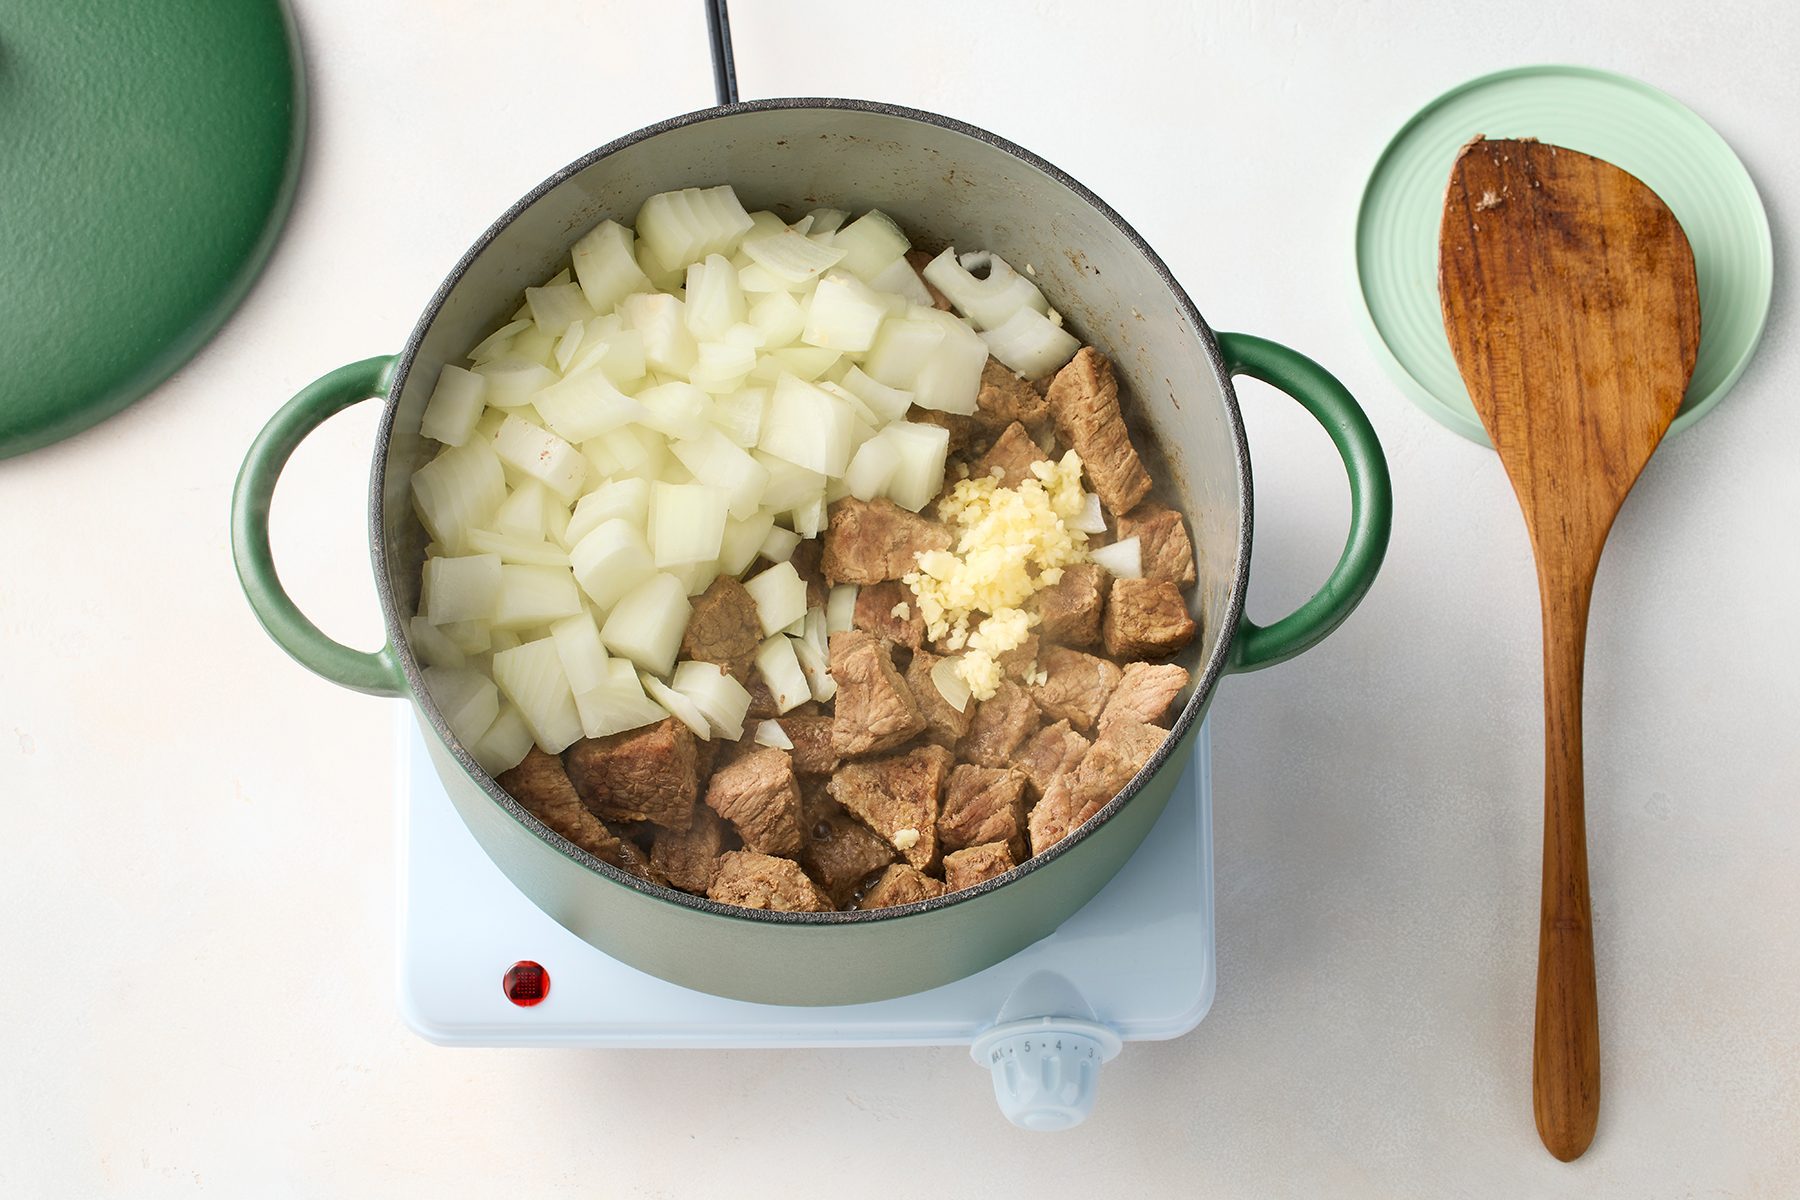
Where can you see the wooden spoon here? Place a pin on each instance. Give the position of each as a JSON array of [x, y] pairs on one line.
[[1569, 297]]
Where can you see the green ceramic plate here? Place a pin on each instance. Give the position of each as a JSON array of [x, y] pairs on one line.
[[1621, 120], [148, 152]]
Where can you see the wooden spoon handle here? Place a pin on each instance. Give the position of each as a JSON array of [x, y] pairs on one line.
[[1565, 1076]]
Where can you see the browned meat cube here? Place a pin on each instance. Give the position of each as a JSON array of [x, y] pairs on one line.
[[875, 540], [875, 711], [919, 260], [1084, 401], [1051, 751], [983, 804], [1011, 456], [1001, 722], [977, 864], [648, 774], [1006, 397], [1020, 659], [1146, 618], [752, 880], [1069, 609], [723, 628], [900, 884], [762, 700], [897, 797], [840, 851], [943, 723], [1163, 543], [690, 859], [1118, 753], [811, 736], [877, 606], [542, 786], [806, 558], [1076, 686], [759, 795], [1144, 693], [1053, 816]]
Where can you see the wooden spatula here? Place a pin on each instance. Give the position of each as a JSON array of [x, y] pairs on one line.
[[1569, 297]]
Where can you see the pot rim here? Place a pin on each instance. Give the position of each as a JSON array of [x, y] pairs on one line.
[[1190, 713]]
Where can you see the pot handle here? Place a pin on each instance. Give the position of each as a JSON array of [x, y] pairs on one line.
[[1371, 500], [378, 673]]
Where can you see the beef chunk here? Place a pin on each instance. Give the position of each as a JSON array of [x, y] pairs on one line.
[[1084, 789], [762, 700], [690, 859], [1084, 401], [648, 774], [919, 260], [811, 736], [806, 559], [1144, 693], [875, 607], [983, 804], [840, 851], [871, 541], [1076, 687], [1001, 722], [1146, 618], [966, 868], [1051, 751], [875, 711], [723, 628], [1053, 816], [759, 795], [943, 723], [1006, 397], [752, 880], [897, 797], [1020, 658], [1069, 609], [542, 786], [1011, 455], [900, 884], [1162, 542]]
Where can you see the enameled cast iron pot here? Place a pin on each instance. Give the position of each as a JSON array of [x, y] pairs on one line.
[[947, 182]]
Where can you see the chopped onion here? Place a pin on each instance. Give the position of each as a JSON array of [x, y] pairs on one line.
[[825, 221], [432, 646], [840, 609], [1030, 344], [779, 318], [781, 672], [471, 637], [870, 243], [455, 406], [714, 302], [462, 588], [780, 596], [532, 677], [687, 521], [807, 427], [611, 560], [505, 744], [903, 348], [554, 309], [499, 342], [534, 596], [712, 456], [696, 577], [608, 347], [685, 226], [987, 302], [779, 545], [720, 698], [539, 454], [569, 344], [582, 407], [522, 513], [950, 379], [803, 362], [467, 699], [1121, 559], [813, 666], [922, 450], [617, 499], [579, 649], [513, 381], [528, 550], [900, 279], [617, 703], [677, 410], [950, 684], [872, 468], [661, 320], [814, 630], [791, 257], [459, 488], [739, 415], [743, 540], [606, 266], [809, 518], [844, 314], [770, 733], [788, 484], [679, 706], [1090, 519], [647, 623], [888, 404], [535, 346], [720, 367], [640, 453]]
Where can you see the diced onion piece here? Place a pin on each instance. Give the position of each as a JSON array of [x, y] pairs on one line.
[[647, 623], [826, 221], [712, 457], [809, 518], [844, 314], [872, 468], [791, 257], [1090, 519], [950, 684], [618, 499], [770, 733], [696, 577], [677, 410], [522, 513], [788, 484], [808, 427], [569, 343], [661, 320], [578, 646], [840, 608], [512, 381], [454, 407], [534, 345], [779, 545], [814, 630], [534, 596], [887, 403], [802, 362], [743, 540], [920, 476], [714, 301], [617, 353], [639, 452], [462, 588], [779, 318], [662, 277], [950, 379], [720, 367], [899, 278], [903, 348], [532, 677], [554, 309], [781, 672], [467, 699], [1030, 344], [497, 343], [471, 637], [529, 551], [739, 415], [432, 646], [606, 265], [617, 703], [504, 639], [1121, 559], [870, 243], [685, 226], [813, 665], [687, 522], [722, 699], [987, 302], [582, 407], [780, 596], [611, 560], [505, 744], [678, 706], [458, 489], [539, 454]]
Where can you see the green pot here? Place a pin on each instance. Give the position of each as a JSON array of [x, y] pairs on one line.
[[938, 178]]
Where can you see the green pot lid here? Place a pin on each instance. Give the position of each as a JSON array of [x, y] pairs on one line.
[[148, 153], [1621, 120]]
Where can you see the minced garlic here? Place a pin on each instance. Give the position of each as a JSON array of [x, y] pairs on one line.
[[1011, 543], [906, 839]]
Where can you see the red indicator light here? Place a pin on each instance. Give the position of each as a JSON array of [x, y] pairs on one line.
[[526, 984]]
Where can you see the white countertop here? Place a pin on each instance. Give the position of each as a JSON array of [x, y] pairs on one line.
[[197, 864]]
